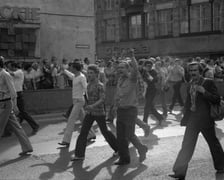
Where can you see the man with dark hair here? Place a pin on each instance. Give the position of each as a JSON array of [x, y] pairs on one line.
[[95, 111], [18, 78], [8, 106], [78, 90], [197, 119], [150, 77], [126, 105]]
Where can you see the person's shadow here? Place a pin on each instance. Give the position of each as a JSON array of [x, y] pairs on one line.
[[56, 167], [120, 172], [13, 161], [83, 173]]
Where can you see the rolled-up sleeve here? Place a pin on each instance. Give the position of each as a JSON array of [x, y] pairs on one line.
[[69, 74]]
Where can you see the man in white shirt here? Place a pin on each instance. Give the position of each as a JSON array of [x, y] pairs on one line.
[[8, 108], [79, 88], [18, 78]]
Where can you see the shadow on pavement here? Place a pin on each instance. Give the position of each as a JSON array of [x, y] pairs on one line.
[[81, 172], [121, 172], [59, 166], [13, 161], [13, 141]]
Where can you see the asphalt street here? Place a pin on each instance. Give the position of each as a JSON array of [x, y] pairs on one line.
[[49, 162]]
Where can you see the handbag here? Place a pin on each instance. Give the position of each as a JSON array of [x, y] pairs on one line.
[[217, 111]]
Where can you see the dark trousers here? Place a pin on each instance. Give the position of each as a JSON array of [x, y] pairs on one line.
[[87, 124], [162, 95], [188, 146], [176, 95], [126, 119], [23, 115], [150, 107]]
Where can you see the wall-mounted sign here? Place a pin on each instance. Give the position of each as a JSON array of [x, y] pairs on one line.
[[141, 48], [20, 13], [82, 46]]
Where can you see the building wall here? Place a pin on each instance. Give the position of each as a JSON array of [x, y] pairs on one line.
[[66, 27], [199, 43]]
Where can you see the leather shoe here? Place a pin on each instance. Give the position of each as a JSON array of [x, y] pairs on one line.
[[220, 171], [90, 139], [77, 158], [142, 153], [24, 153], [35, 130], [65, 144], [177, 177], [122, 162]]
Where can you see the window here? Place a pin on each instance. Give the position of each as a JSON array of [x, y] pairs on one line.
[[19, 42], [165, 22], [184, 25], [123, 29], [200, 17], [110, 30], [110, 4], [149, 28], [135, 26], [217, 17]]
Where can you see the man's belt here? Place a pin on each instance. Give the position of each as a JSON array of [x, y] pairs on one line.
[[3, 100]]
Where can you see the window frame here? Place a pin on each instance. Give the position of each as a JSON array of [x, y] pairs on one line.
[[166, 23], [212, 20]]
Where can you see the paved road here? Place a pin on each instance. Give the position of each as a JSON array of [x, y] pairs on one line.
[[50, 162]]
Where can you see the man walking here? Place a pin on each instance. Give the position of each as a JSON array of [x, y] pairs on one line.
[[201, 93], [175, 77], [150, 78], [95, 112], [8, 106], [78, 90], [127, 103], [18, 78]]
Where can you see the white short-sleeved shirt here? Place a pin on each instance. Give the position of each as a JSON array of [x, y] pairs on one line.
[[79, 85], [18, 79]]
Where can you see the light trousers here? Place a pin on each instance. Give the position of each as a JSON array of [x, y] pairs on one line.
[[73, 117], [8, 117]]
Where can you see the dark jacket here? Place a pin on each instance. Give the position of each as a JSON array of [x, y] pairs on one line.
[[150, 83], [201, 117]]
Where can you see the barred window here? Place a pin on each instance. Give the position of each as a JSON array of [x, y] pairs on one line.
[[200, 17], [165, 22], [217, 16], [135, 26], [184, 25], [110, 29]]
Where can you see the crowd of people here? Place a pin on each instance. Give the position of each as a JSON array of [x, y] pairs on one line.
[[113, 89]]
